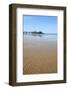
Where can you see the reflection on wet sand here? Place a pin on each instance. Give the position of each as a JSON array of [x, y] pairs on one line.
[[40, 54]]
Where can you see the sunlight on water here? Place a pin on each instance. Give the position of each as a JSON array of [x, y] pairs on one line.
[[33, 40]]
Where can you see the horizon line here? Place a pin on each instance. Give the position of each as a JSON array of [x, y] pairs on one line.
[[38, 32]]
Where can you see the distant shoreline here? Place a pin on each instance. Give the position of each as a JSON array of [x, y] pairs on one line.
[[39, 33]]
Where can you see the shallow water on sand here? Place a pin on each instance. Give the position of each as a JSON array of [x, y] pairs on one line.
[[40, 54]]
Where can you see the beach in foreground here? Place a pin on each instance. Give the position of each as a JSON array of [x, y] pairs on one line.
[[40, 54]]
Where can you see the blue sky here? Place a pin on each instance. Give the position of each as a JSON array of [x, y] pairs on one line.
[[46, 24]]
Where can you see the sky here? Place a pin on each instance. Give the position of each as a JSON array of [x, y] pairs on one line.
[[46, 24]]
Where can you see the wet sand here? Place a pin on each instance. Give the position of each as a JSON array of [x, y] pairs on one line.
[[40, 55]]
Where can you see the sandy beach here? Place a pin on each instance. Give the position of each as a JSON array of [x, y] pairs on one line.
[[40, 55]]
